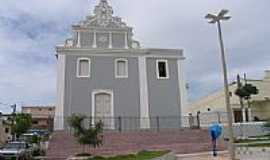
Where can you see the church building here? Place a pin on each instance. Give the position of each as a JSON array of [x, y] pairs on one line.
[[104, 74]]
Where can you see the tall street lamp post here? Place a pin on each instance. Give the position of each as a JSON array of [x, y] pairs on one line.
[[216, 19]]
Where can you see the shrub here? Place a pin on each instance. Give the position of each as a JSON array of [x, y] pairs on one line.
[[91, 136], [267, 124]]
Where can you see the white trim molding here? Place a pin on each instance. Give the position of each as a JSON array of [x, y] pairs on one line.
[[144, 100], [110, 40], [78, 39], [94, 39], [126, 40], [166, 68], [93, 107], [59, 111], [182, 87], [78, 67], [116, 67]]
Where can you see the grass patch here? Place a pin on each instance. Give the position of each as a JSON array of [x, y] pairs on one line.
[[250, 140], [143, 155], [254, 139], [259, 145], [264, 136]]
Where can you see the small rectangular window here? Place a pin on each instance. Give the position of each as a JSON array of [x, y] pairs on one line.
[[121, 68], [83, 67], [162, 69]]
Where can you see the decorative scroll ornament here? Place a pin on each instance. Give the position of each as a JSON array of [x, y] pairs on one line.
[[103, 17]]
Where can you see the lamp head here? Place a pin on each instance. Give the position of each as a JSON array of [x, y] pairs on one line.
[[221, 16]]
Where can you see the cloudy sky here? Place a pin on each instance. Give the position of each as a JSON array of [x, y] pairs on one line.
[[30, 29]]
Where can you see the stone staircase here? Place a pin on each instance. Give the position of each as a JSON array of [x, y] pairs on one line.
[[63, 144]]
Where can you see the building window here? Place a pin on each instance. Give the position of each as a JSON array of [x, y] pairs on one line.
[[35, 122], [162, 69], [121, 68], [6, 130], [83, 67]]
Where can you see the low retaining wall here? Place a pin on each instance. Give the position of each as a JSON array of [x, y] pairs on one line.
[[242, 130], [250, 129]]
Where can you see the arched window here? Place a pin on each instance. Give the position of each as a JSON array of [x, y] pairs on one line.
[[83, 67], [121, 68]]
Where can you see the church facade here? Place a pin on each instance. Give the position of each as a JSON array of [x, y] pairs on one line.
[[103, 73]]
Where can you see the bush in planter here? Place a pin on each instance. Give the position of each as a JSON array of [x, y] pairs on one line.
[[75, 122], [91, 136]]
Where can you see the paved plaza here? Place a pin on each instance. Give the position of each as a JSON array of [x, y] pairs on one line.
[[241, 153]]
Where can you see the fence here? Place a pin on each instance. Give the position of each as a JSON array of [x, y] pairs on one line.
[[204, 120], [126, 124]]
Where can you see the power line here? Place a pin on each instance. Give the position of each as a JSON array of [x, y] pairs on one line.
[[4, 104]]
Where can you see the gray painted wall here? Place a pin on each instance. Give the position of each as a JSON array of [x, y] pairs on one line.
[[164, 94], [78, 90]]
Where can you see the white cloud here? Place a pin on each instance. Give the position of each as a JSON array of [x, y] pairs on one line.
[[27, 64]]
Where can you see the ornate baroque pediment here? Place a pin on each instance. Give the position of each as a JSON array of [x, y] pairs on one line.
[[103, 17]]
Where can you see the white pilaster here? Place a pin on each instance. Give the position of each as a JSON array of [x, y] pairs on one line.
[[182, 86], [94, 39], [79, 39], [126, 40], [249, 115], [59, 110], [110, 40], [144, 101], [244, 114]]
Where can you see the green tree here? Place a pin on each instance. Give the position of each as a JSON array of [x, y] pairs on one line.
[[22, 123], [245, 91], [75, 121], [91, 136]]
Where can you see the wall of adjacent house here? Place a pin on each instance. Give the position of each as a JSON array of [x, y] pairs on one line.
[[261, 110], [78, 91], [5, 132], [39, 111]]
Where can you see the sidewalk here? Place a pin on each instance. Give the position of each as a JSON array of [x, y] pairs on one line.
[[203, 156], [243, 153]]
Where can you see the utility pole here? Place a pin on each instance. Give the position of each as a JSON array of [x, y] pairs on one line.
[[216, 19], [13, 116]]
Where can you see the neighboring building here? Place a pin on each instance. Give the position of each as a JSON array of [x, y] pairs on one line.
[[42, 116], [260, 104], [103, 72], [5, 130]]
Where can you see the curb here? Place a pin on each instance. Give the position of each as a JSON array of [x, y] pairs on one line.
[[200, 154]]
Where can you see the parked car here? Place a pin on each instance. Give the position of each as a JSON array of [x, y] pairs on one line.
[[40, 132], [17, 150], [35, 140]]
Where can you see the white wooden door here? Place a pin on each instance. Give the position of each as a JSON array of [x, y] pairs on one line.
[[103, 109]]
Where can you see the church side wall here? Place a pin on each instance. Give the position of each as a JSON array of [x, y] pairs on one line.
[[164, 95]]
